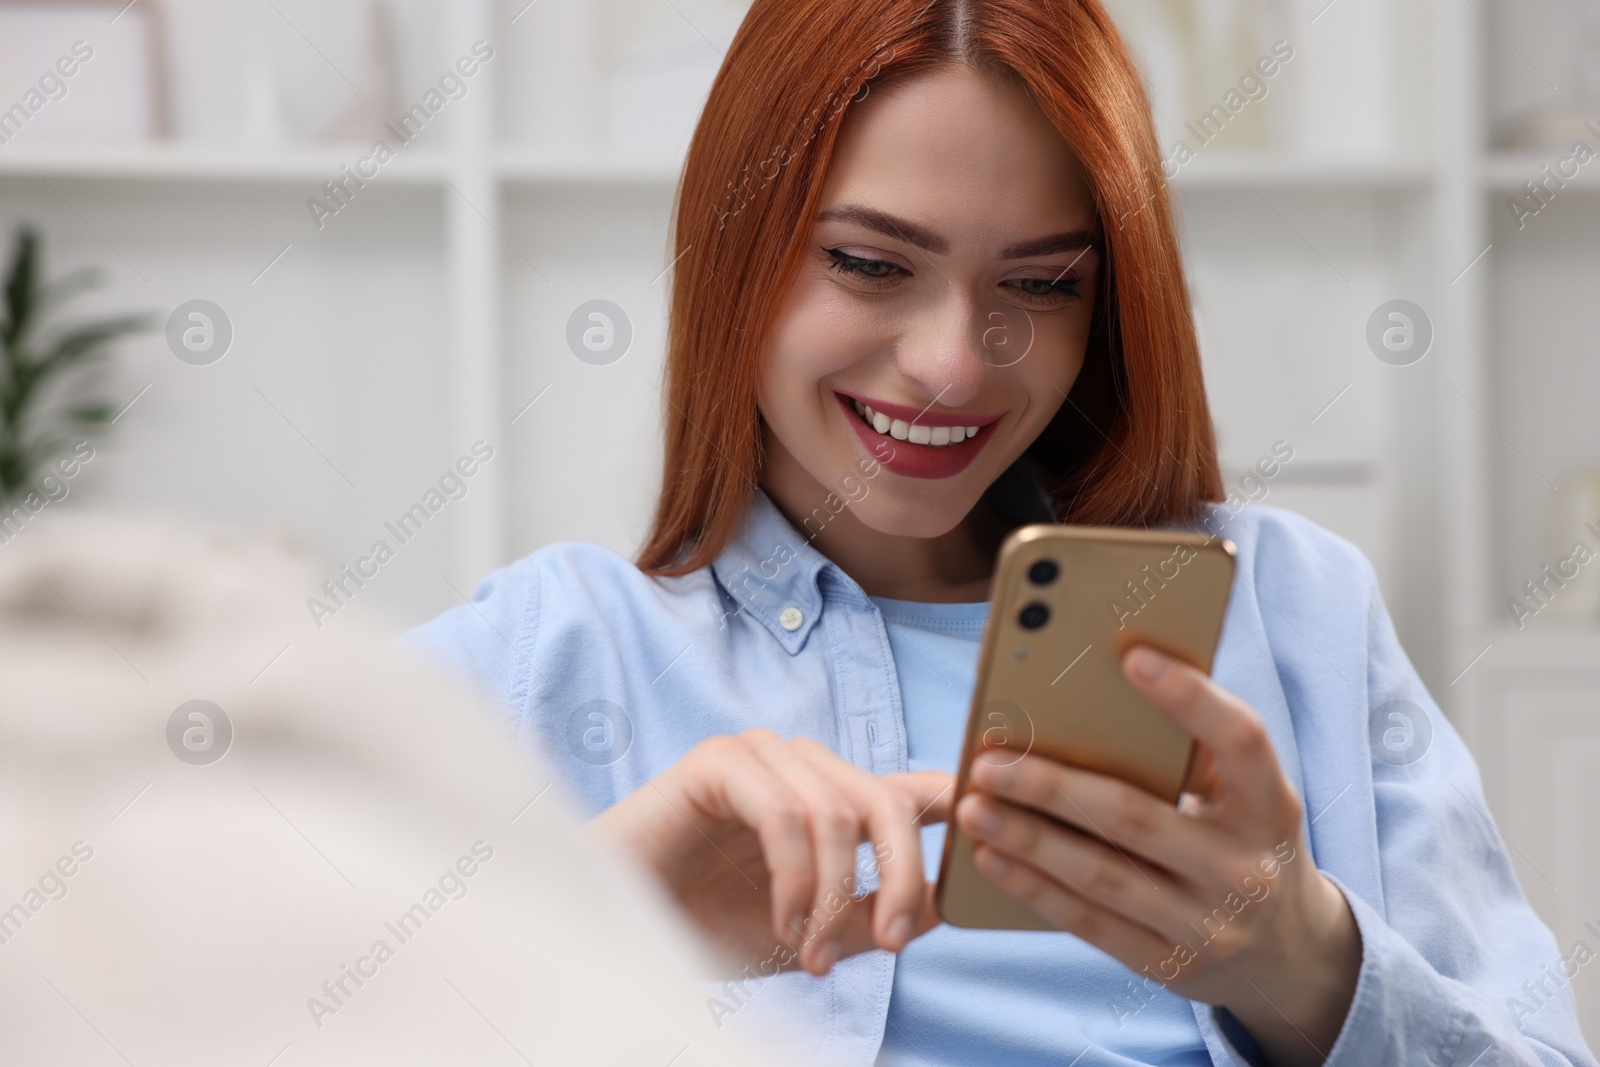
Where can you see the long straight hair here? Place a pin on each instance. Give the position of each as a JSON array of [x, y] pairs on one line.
[[1132, 444]]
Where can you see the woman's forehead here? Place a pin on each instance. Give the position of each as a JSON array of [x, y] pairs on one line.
[[961, 152]]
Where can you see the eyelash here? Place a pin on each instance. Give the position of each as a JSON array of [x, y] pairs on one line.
[[845, 263]]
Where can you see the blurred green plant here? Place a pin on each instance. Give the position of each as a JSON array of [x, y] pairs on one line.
[[44, 392]]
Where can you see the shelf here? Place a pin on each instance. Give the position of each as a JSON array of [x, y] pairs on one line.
[[184, 163], [1562, 646], [532, 167], [1292, 173], [1506, 172], [213, 163]]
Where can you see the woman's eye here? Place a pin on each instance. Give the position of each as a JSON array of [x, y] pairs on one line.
[[1045, 290], [871, 269]]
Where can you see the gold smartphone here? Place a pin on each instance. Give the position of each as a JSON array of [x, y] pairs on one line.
[[1067, 602]]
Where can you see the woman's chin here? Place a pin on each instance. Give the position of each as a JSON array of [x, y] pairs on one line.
[[910, 514]]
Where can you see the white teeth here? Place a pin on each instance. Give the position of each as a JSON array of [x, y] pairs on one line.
[[900, 430]]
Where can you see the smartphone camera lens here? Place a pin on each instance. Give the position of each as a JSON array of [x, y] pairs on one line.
[[1043, 572], [1034, 615]]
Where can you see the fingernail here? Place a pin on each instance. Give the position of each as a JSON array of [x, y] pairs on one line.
[[827, 956], [900, 930], [983, 819], [1148, 663]]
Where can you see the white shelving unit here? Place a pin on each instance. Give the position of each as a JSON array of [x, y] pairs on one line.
[[1528, 701], [376, 350], [463, 179]]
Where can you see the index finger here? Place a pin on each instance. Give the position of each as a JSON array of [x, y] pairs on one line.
[[930, 792], [893, 823]]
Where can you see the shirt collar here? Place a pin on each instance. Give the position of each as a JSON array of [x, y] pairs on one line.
[[772, 572]]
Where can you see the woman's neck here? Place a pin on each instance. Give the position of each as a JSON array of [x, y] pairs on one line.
[[953, 567]]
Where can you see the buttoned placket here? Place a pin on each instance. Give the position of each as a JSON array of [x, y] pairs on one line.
[[811, 606], [872, 734]]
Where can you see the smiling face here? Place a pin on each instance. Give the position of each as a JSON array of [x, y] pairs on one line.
[[948, 286]]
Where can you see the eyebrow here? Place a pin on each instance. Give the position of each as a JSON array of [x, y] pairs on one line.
[[902, 230]]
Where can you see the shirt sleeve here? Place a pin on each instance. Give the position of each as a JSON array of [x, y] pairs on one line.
[[1456, 967], [486, 643]]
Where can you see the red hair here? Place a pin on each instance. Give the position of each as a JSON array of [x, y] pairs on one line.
[[1133, 443]]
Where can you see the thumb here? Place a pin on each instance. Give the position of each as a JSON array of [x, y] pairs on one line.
[[855, 931]]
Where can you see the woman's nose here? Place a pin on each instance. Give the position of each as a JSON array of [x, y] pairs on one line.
[[951, 350]]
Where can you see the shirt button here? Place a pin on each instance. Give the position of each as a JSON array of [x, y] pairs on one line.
[[791, 619]]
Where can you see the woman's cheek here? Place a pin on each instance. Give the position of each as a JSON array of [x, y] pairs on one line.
[[834, 335]]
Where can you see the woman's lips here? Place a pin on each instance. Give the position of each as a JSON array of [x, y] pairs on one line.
[[919, 461]]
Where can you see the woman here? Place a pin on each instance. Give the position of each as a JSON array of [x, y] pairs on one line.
[[927, 288]]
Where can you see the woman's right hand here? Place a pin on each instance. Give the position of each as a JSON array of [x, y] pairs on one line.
[[756, 839]]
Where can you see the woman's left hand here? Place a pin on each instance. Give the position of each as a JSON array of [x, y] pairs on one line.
[[1217, 899]]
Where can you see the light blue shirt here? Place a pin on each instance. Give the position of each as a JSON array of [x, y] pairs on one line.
[[616, 675]]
